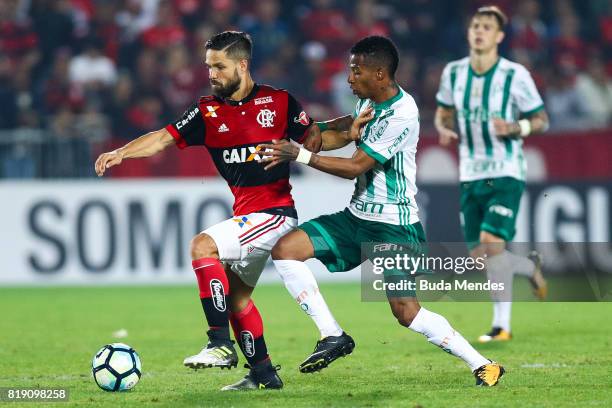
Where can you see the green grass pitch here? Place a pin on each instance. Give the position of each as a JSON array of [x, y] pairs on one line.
[[561, 354]]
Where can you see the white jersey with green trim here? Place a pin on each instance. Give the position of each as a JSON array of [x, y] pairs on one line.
[[385, 193], [505, 91]]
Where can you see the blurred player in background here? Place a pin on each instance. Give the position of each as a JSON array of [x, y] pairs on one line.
[[497, 105], [229, 257], [382, 210]]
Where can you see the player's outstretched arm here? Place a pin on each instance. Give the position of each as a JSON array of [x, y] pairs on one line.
[[444, 123], [536, 123], [143, 146], [282, 151]]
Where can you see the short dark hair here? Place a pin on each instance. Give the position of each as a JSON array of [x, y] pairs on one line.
[[378, 50], [493, 11], [236, 44]]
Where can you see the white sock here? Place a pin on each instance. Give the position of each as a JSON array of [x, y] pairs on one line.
[[500, 270], [439, 332], [302, 285], [501, 315], [521, 265]]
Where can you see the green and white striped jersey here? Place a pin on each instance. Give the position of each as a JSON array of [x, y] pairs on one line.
[[505, 91], [386, 192]]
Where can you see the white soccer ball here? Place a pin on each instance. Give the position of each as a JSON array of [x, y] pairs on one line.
[[116, 367]]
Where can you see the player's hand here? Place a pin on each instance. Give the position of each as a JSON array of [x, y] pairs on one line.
[[280, 151], [360, 121], [447, 137], [314, 140], [107, 160], [505, 129]]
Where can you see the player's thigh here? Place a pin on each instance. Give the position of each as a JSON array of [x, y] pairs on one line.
[[389, 241], [471, 211], [333, 240], [259, 233], [225, 238], [502, 207], [237, 237]]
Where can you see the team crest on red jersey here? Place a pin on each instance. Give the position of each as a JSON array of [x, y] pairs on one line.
[[265, 118], [302, 118]]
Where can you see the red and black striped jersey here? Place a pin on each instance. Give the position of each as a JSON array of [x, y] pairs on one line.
[[232, 131]]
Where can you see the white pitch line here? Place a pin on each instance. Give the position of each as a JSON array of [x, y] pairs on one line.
[[542, 365]]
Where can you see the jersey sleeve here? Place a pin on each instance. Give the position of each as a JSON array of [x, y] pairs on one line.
[[444, 96], [189, 129], [526, 94], [298, 120], [389, 136], [358, 108]]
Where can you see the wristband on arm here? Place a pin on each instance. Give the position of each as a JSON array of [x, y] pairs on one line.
[[303, 156], [525, 126]]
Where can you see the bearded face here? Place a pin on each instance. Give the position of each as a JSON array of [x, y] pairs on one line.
[[224, 89]]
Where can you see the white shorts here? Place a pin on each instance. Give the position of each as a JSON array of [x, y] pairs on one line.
[[244, 242]]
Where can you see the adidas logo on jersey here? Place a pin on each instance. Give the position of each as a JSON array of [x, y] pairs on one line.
[[223, 128]]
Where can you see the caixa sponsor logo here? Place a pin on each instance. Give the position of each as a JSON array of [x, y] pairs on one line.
[[242, 154], [248, 343], [218, 297]]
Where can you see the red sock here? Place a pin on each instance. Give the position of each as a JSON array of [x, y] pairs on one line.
[[248, 329], [214, 291]]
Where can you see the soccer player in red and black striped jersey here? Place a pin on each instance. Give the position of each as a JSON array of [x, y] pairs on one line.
[[228, 257]]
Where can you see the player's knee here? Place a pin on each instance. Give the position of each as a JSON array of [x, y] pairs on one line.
[[404, 311], [490, 244], [203, 246], [279, 251], [238, 303], [295, 246], [284, 250]]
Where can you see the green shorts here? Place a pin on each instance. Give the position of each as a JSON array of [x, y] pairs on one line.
[[337, 240], [490, 205]]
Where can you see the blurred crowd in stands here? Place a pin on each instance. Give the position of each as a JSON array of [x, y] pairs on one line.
[[96, 70]]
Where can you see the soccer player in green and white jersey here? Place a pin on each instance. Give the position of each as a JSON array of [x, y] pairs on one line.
[[496, 105], [382, 209]]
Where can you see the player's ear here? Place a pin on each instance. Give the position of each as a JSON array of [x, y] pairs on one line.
[[244, 65], [380, 74], [500, 37]]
